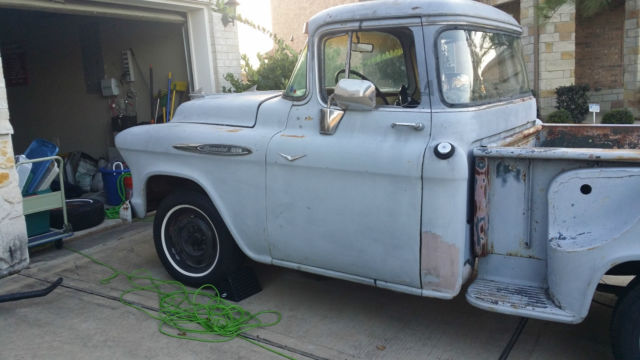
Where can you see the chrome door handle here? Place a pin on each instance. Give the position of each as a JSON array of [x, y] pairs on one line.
[[416, 126]]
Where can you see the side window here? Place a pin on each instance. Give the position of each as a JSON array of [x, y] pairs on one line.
[[480, 67], [297, 86], [387, 59]]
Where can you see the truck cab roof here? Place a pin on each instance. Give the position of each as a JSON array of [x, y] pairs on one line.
[[437, 11]]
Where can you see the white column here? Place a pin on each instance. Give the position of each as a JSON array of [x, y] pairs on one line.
[[14, 255]]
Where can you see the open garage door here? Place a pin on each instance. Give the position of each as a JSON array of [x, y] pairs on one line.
[[55, 63], [97, 9]]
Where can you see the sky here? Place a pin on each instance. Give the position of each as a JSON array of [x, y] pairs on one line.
[[253, 41]]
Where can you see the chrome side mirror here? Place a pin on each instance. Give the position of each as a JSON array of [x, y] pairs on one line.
[[349, 94], [355, 94]]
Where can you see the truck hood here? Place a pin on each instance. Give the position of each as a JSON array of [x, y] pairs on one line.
[[225, 109]]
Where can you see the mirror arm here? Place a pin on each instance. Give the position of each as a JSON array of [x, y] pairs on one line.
[[347, 67], [330, 118]]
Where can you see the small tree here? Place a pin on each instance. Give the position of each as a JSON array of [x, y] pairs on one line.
[[575, 100], [585, 8], [274, 68]]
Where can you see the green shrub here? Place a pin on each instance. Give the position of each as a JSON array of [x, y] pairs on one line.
[[272, 73], [575, 100], [559, 117], [622, 116]]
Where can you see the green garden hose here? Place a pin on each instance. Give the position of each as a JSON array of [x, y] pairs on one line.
[[183, 313], [114, 212]]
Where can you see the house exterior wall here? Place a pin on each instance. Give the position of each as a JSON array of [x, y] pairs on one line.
[[288, 18], [599, 51], [14, 255], [602, 51], [600, 56], [632, 56], [224, 42], [557, 52]]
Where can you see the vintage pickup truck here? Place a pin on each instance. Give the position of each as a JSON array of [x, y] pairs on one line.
[[404, 154]]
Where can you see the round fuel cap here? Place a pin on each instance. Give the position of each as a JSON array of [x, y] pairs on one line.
[[444, 150]]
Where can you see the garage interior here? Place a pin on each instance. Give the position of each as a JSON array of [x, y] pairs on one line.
[[54, 63], [76, 74]]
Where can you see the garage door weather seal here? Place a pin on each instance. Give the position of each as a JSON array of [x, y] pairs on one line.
[[197, 315]]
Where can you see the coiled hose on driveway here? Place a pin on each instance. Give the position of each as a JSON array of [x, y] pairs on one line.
[[198, 315]]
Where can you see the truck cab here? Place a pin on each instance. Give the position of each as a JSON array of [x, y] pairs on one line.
[[386, 184]]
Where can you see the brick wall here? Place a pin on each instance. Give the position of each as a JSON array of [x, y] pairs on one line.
[[599, 51], [512, 8], [13, 232], [632, 56], [224, 43], [288, 17]]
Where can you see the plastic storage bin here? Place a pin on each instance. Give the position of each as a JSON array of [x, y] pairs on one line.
[[39, 148], [37, 223], [110, 180]]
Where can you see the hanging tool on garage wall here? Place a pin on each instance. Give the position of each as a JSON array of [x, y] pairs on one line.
[[166, 110], [128, 74], [165, 102]]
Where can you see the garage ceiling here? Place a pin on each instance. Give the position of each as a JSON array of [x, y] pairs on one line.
[[93, 9]]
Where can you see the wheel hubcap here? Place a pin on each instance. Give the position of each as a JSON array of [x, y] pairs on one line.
[[190, 240]]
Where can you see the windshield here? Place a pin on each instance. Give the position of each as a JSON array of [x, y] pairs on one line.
[[480, 67], [297, 86]]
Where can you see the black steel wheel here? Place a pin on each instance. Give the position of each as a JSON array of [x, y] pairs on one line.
[[192, 241], [625, 324]]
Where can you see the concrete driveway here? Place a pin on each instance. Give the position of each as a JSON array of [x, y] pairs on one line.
[[322, 318]]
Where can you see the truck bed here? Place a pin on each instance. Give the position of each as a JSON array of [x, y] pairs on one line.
[[576, 142], [555, 207]]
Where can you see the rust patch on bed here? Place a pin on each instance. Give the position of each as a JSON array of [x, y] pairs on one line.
[[439, 263], [522, 137], [585, 136], [481, 211], [233, 130]]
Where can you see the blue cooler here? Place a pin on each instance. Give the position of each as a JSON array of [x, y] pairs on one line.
[[39, 148]]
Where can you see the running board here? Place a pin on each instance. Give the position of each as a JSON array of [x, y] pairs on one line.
[[516, 299]]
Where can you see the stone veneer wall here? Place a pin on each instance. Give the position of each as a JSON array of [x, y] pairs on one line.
[[609, 99], [527, 21], [557, 56], [14, 255], [557, 48]]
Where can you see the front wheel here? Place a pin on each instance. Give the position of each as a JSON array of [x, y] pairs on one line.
[[625, 324], [192, 241]]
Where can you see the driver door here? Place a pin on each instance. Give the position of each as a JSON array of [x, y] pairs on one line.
[[350, 202]]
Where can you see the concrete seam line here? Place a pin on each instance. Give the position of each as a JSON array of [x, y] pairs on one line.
[[151, 308]]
